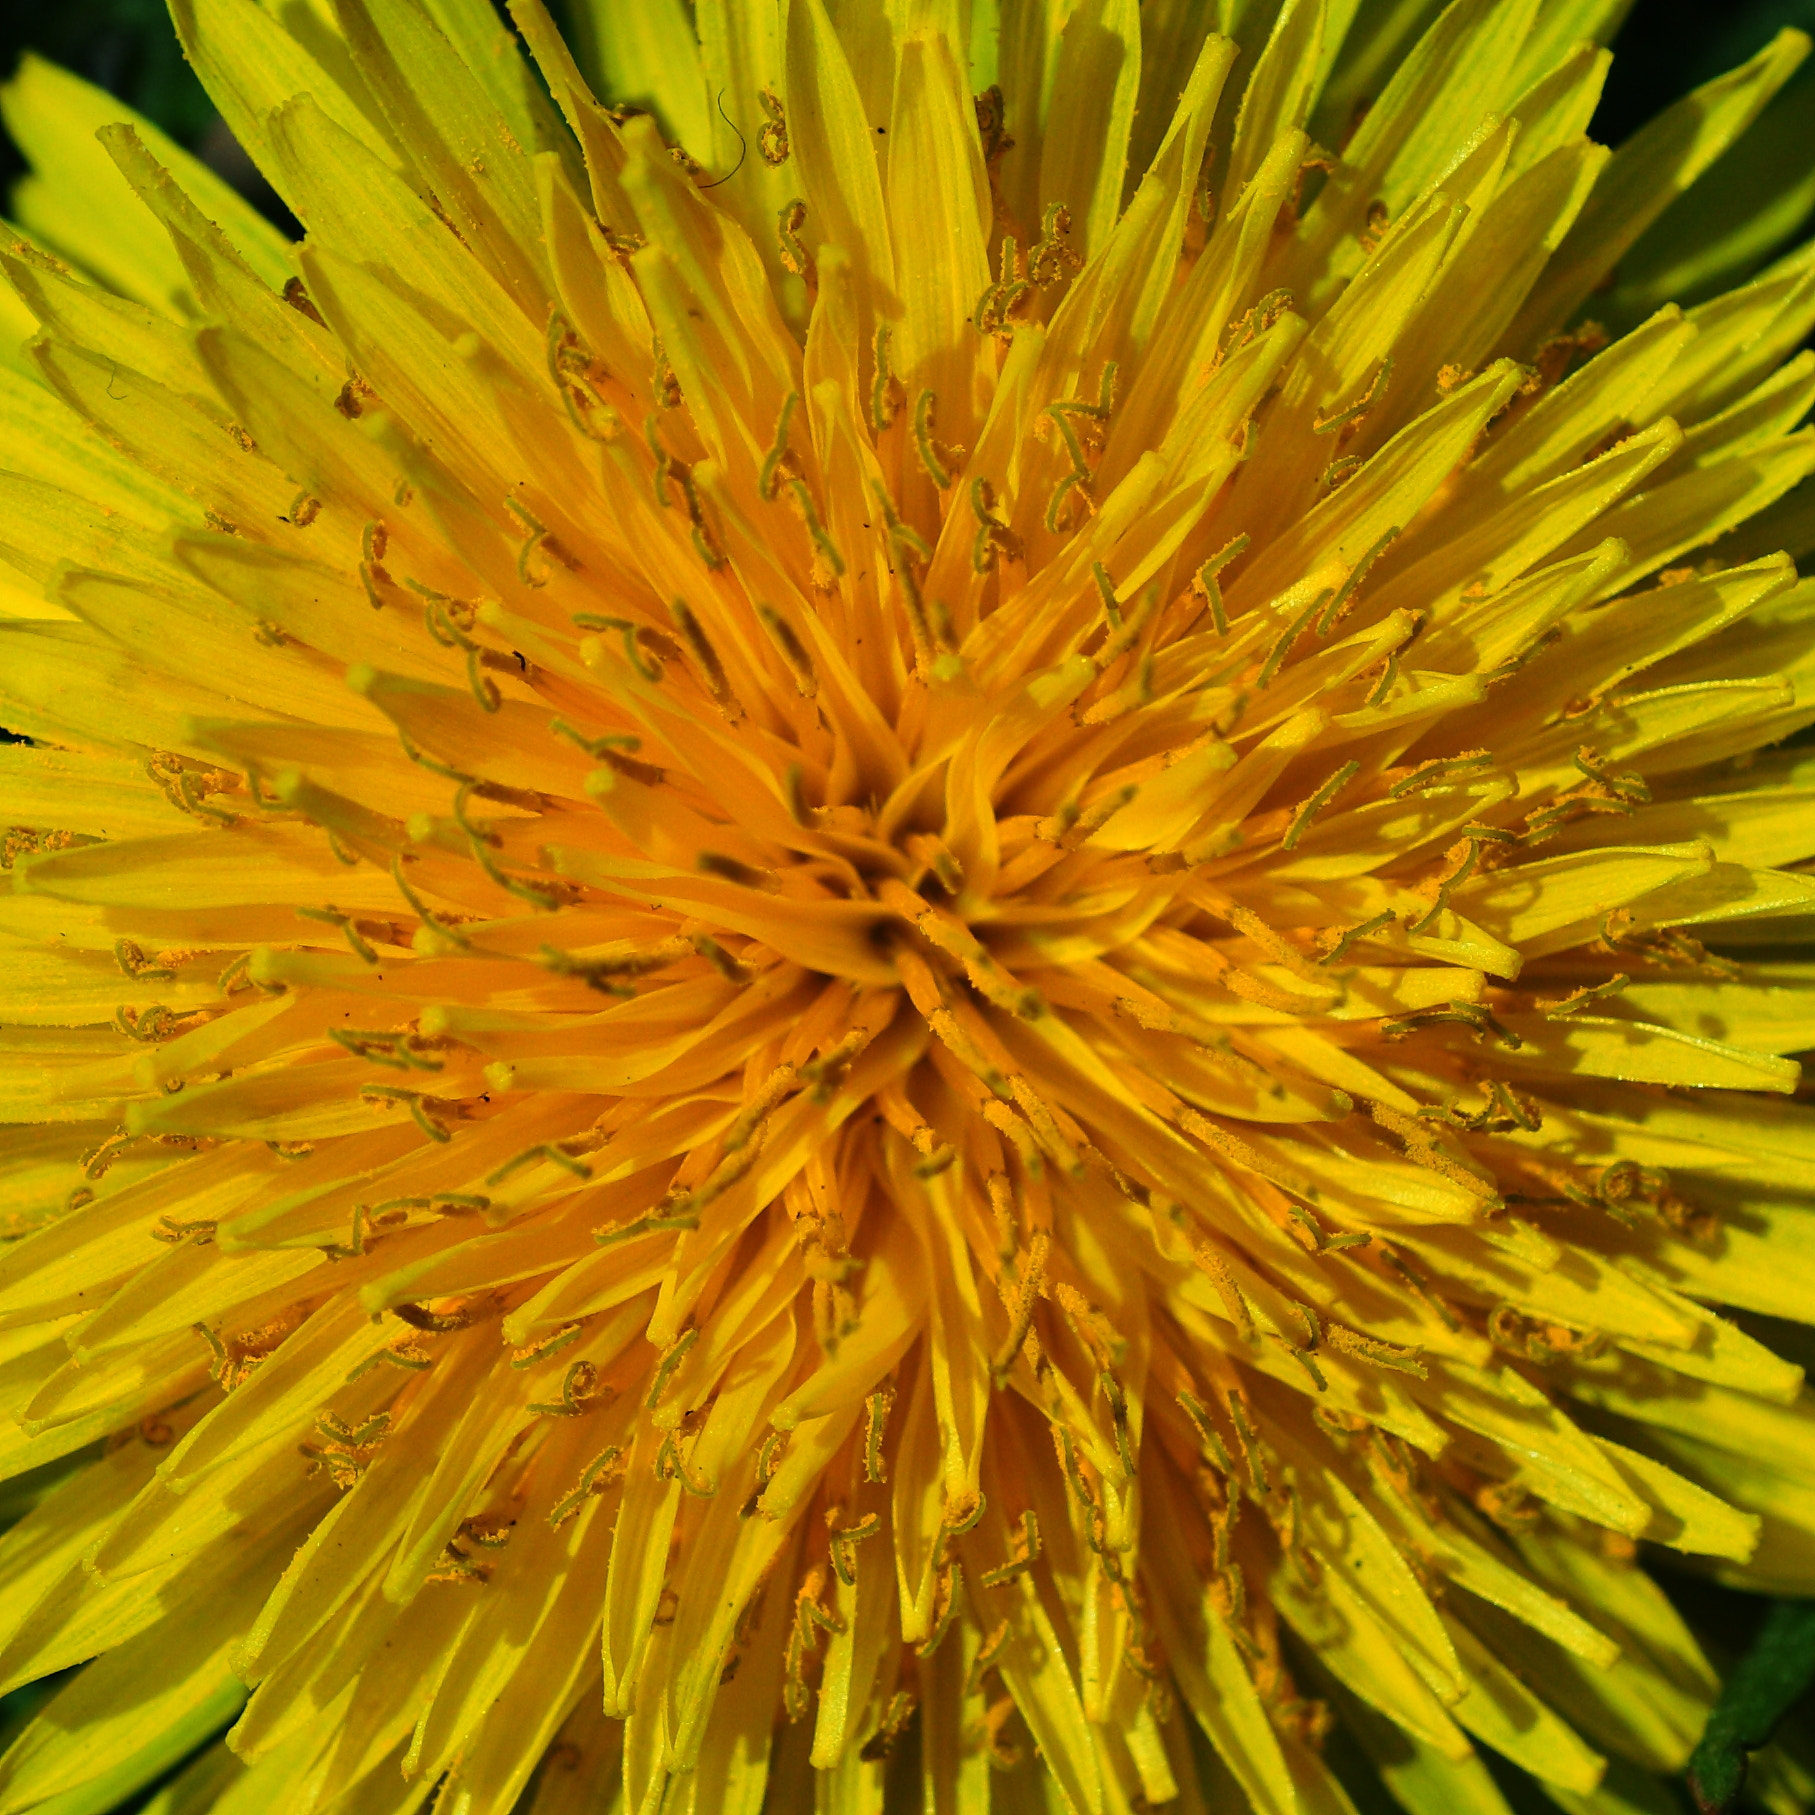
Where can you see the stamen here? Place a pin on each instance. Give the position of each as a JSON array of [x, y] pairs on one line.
[[1118, 1417], [129, 955], [1287, 637], [781, 1083], [1438, 771], [779, 462], [1004, 300], [1026, 1554], [404, 1353], [1214, 1449], [1625, 787], [1204, 584], [1028, 1293], [843, 1546], [1215, 1265], [705, 657], [1459, 865], [667, 385], [574, 372], [993, 535], [772, 135], [671, 1358], [1254, 322], [906, 546], [769, 1458], [703, 544], [600, 973], [729, 1170], [174, 1232], [537, 539], [1419, 1285], [1317, 1239], [1328, 425], [1307, 1361], [1080, 445], [1581, 998], [1096, 1532], [636, 638], [1052, 256], [1460, 1014], [1376, 1350], [1056, 524], [828, 1072], [384, 1048], [543, 1153], [733, 970], [932, 850], [886, 394], [964, 1512], [1339, 606], [425, 761], [1309, 809], [412, 1100], [599, 1476], [551, 1344], [793, 652], [896, 1716], [1106, 586], [1348, 935], [933, 454], [608, 1235], [484, 688], [579, 1393], [981, 1665], [1248, 1439], [732, 869], [952, 937], [795, 258], [1421, 1149], [828, 563], [876, 1410], [428, 919], [945, 1608], [1073, 826], [652, 434], [907, 1121]]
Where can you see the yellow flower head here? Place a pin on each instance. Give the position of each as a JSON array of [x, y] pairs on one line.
[[913, 925]]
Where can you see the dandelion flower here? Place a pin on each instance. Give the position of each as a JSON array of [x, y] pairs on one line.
[[912, 928]]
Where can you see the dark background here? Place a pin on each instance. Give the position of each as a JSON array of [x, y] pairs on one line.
[[1665, 47]]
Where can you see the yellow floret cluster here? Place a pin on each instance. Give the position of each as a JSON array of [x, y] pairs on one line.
[[917, 928]]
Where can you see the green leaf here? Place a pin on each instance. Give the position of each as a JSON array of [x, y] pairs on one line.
[[1763, 1687]]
